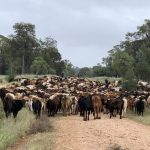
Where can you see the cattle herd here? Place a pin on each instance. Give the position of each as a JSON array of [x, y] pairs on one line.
[[71, 96]]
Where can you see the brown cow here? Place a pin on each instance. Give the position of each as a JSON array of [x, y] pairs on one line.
[[97, 105]]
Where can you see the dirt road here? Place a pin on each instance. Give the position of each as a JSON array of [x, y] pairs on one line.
[[71, 133]]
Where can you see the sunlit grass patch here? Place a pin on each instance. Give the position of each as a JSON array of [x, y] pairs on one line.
[[10, 130]]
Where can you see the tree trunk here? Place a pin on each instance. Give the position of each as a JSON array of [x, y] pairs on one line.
[[23, 65]]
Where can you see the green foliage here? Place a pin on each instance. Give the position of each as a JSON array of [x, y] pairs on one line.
[[39, 66], [69, 70], [133, 52], [129, 81], [18, 51], [86, 72], [122, 61], [52, 71]]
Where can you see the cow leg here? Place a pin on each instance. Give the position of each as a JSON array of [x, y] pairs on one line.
[[99, 113], [88, 114], [6, 114], [15, 114], [84, 116], [120, 113], [111, 113], [48, 112], [94, 113]]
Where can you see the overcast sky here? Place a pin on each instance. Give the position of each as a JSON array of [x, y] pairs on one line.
[[84, 29]]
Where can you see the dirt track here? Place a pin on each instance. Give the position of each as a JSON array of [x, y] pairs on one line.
[[71, 133]]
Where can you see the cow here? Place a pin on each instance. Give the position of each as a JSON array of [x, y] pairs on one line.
[[85, 106], [140, 106], [37, 106], [97, 106], [66, 102], [74, 105], [51, 107], [10, 104], [148, 101], [115, 105]]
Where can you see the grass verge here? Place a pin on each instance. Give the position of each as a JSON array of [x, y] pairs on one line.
[[11, 131], [144, 120]]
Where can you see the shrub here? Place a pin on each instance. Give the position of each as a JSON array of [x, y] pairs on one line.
[[40, 125], [117, 147], [10, 77]]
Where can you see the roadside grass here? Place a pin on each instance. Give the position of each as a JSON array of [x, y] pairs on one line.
[[41, 135], [1, 111], [144, 120], [11, 131], [102, 79], [40, 141]]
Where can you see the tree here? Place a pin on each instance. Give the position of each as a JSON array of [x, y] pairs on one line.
[[39, 66], [86, 72], [137, 46], [129, 80], [122, 61], [69, 70], [4, 45], [24, 43]]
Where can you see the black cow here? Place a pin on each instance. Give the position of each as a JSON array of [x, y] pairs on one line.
[[115, 105], [85, 106], [51, 107], [140, 106], [36, 105], [9, 105]]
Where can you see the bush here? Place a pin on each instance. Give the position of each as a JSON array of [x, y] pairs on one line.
[[52, 71], [117, 147], [40, 125], [10, 78]]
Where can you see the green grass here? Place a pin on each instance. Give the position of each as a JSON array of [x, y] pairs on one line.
[[102, 79], [11, 131], [1, 111], [144, 120]]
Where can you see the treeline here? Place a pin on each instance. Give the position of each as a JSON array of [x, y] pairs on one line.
[[129, 59], [23, 53]]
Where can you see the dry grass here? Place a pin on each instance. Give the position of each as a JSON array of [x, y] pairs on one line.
[[10, 130], [116, 147], [40, 125]]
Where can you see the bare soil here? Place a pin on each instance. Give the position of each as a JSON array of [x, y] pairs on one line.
[[72, 133]]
